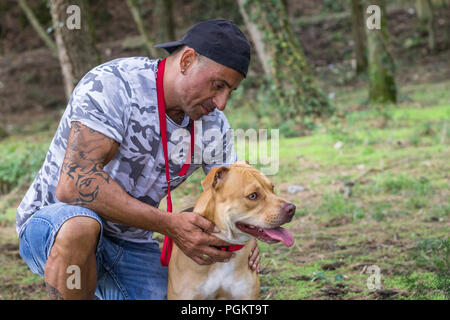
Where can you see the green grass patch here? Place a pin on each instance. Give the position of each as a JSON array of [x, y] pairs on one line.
[[7, 216], [420, 286], [334, 205], [21, 160], [401, 184], [434, 254]]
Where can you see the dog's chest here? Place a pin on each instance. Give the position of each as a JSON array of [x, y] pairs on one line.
[[224, 279]]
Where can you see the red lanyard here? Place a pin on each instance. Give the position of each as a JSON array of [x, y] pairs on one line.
[[168, 243]]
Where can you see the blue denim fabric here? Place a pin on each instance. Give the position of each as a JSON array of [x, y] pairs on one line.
[[125, 270]]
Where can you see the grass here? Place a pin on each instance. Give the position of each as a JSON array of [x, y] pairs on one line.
[[21, 160], [17, 281], [399, 160], [396, 217], [408, 183]]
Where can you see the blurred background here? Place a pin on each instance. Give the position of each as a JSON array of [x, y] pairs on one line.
[[363, 116]]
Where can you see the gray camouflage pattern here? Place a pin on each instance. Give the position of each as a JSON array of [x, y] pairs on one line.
[[118, 99]]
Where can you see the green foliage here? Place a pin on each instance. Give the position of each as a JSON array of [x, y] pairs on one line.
[[3, 133], [424, 286], [433, 254], [339, 132], [333, 6], [441, 211], [410, 43], [20, 164], [401, 184], [380, 211], [290, 95], [205, 10], [335, 205], [287, 128]]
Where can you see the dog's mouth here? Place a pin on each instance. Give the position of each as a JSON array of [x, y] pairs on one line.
[[266, 234]]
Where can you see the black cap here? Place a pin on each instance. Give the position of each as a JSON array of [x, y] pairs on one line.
[[220, 40]]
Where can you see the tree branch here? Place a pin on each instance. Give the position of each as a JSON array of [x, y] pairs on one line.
[[37, 26]]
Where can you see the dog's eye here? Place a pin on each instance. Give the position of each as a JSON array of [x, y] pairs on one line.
[[253, 196]]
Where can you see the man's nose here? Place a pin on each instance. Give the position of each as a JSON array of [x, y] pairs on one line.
[[220, 101]]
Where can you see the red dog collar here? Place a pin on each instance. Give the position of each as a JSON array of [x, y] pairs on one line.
[[230, 248]]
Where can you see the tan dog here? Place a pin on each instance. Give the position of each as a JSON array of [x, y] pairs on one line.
[[241, 202]]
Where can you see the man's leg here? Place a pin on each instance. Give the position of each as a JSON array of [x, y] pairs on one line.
[[137, 271], [75, 246]]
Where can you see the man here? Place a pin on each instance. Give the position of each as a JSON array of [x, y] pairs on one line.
[[93, 207]]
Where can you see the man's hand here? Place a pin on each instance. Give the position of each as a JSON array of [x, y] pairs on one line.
[[254, 258], [192, 233]]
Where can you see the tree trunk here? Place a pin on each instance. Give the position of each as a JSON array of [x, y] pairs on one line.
[[257, 36], [426, 21], [76, 47], [359, 36], [135, 12], [289, 77], [382, 86], [170, 20], [37, 27]]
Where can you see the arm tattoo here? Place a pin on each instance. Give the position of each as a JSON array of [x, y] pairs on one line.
[[88, 151], [53, 293]]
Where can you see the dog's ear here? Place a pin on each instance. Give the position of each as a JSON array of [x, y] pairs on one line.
[[214, 177], [241, 162]]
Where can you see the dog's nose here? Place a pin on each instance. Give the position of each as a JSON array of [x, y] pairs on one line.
[[289, 210]]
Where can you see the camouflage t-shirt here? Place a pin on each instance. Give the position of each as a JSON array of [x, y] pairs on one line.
[[119, 99]]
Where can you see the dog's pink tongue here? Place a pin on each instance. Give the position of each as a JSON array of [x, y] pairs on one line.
[[280, 234]]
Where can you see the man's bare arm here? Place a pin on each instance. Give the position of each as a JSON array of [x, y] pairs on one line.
[[83, 182]]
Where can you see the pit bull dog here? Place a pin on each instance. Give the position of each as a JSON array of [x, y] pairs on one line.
[[241, 202]]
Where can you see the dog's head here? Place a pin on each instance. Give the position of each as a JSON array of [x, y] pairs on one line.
[[245, 205]]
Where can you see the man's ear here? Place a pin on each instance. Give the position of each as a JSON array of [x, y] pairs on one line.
[[187, 59], [214, 177]]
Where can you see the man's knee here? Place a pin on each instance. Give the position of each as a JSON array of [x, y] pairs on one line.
[[78, 234], [75, 245]]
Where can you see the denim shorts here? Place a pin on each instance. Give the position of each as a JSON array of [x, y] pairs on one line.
[[125, 270]]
